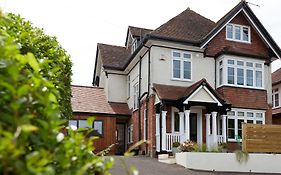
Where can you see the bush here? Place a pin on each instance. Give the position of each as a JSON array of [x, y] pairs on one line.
[[31, 141], [187, 146], [176, 144]]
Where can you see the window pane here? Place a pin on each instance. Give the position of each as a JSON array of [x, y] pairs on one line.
[[258, 65], [176, 68], [187, 70], [240, 127], [245, 34], [230, 75], [276, 100], [240, 114], [176, 54], [229, 31], [249, 64], [231, 130], [258, 122], [83, 124], [230, 61], [240, 76], [177, 122], [220, 63], [186, 55], [231, 113], [72, 122], [98, 126], [250, 78], [250, 114], [237, 33], [250, 121], [258, 115], [220, 78], [258, 78], [240, 63]]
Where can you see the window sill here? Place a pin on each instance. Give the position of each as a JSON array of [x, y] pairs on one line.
[[179, 79], [240, 86], [239, 41]]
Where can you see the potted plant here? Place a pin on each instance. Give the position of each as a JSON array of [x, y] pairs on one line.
[[187, 146], [175, 147]]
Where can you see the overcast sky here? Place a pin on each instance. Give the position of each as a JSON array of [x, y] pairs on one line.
[[80, 24]]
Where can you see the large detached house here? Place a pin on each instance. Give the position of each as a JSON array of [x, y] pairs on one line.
[[189, 79]]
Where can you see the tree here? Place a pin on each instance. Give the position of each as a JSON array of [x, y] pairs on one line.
[[31, 39], [30, 137]]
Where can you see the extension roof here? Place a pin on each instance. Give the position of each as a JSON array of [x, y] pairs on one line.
[[86, 99], [276, 77]]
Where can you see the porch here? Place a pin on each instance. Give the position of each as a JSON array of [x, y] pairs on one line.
[[215, 129]]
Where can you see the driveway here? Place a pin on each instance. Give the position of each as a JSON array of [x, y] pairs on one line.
[[151, 166]]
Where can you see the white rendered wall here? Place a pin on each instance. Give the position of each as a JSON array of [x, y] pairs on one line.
[[117, 88]]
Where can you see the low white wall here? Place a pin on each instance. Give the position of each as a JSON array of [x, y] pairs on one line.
[[226, 162]]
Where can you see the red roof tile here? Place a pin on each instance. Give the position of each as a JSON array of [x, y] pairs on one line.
[[137, 31], [113, 57], [93, 100], [276, 77], [187, 26]]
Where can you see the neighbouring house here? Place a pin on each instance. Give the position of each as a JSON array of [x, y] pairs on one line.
[[276, 88], [110, 117], [189, 79]]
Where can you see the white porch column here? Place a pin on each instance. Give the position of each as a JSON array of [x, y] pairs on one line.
[[224, 128], [164, 146], [208, 132], [214, 129], [181, 114], [157, 132], [186, 132]]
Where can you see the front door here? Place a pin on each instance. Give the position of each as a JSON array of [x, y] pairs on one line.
[[120, 147], [193, 127]]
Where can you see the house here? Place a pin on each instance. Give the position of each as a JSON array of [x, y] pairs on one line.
[[189, 79], [276, 88]]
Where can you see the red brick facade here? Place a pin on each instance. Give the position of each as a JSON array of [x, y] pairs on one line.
[[219, 43]]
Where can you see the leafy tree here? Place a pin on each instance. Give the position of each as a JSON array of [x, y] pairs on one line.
[[47, 49], [30, 137]]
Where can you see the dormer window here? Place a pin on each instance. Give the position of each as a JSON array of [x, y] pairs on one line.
[[235, 32], [134, 45]]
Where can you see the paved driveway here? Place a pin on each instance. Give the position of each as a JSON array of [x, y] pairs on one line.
[[150, 166]]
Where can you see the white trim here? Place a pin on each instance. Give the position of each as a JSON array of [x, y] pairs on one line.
[[197, 90], [220, 29]]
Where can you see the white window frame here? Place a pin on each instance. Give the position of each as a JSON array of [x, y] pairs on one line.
[[128, 86], [241, 33], [275, 91], [182, 60], [136, 96], [225, 66], [245, 118]]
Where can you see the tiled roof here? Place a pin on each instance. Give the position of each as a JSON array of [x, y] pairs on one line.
[[276, 111], [276, 77], [137, 31], [188, 26], [167, 92], [86, 99], [113, 57]]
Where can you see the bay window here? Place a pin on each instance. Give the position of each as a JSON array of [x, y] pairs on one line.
[[181, 65], [237, 32], [238, 116], [242, 72]]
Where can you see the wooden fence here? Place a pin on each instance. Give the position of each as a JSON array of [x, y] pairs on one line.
[[261, 138]]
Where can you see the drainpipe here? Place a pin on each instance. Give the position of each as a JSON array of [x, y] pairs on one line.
[[139, 104], [147, 98]]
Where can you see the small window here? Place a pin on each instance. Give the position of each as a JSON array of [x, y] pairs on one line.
[[238, 33], [230, 75], [240, 76], [240, 121], [258, 65], [176, 54], [181, 64], [231, 128], [240, 114], [245, 34], [249, 64], [176, 68], [250, 114], [258, 115], [83, 124], [221, 75], [230, 61], [258, 122], [250, 78], [176, 122], [231, 113], [187, 69], [240, 63], [258, 78], [229, 31], [72, 123], [98, 126]]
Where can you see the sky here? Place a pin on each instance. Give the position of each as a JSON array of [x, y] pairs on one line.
[[80, 24]]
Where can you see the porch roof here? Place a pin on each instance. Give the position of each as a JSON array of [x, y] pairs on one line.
[[180, 93]]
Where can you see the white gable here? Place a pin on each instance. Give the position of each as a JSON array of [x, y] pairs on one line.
[[202, 94]]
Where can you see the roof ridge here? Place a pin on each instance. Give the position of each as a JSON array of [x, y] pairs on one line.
[[110, 45]]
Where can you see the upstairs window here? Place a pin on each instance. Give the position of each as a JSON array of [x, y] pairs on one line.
[[181, 64], [236, 32], [242, 72], [136, 96]]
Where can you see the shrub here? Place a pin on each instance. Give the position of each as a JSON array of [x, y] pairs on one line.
[[31, 141], [176, 144], [187, 146]]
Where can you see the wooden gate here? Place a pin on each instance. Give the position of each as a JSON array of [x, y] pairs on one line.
[[261, 138]]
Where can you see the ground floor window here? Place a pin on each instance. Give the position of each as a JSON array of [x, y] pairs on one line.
[[238, 116], [97, 125]]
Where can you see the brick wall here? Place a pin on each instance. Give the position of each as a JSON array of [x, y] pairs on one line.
[[255, 48]]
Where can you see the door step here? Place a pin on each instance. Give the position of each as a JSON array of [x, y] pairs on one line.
[[165, 158]]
